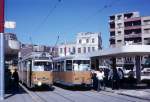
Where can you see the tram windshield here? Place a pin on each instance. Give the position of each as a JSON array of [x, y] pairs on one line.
[[42, 66], [147, 64], [81, 65]]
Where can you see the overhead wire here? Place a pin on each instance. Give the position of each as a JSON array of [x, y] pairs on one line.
[[106, 6], [40, 25], [47, 16]]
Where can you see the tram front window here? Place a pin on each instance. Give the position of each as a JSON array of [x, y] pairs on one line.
[[81, 65], [42, 66]]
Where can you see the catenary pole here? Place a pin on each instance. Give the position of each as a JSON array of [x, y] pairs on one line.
[[2, 91]]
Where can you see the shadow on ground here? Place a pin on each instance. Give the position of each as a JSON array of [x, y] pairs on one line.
[[74, 88], [43, 88], [11, 92]]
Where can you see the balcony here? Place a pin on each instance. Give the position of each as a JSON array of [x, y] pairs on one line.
[[132, 19], [112, 37], [112, 29], [132, 35], [133, 27]]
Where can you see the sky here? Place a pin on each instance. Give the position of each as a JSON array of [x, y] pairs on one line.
[[42, 21]]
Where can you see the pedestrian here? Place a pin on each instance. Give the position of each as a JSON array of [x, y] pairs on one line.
[[121, 77], [131, 79], [94, 80], [100, 77], [8, 81], [15, 79], [114, 76]]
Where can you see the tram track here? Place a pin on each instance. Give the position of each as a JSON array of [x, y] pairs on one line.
[[87, 96], [49, 94], [99, 93], [37, 96], [34, 96], [60, 94]]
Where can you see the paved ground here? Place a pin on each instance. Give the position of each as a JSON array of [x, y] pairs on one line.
[[62, 94], [19, 96]]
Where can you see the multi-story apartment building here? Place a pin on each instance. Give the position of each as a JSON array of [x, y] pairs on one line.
[[85, 42], [129, 29]]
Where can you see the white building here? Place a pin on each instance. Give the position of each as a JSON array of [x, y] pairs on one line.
[[129, 29], [85, 42]]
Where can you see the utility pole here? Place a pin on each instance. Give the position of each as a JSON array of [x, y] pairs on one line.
[[2, 91]]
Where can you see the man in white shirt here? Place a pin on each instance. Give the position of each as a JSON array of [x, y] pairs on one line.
[[100, 77]]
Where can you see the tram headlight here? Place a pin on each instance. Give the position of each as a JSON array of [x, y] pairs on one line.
[[39, 83]]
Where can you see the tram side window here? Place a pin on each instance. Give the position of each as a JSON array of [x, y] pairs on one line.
[[62, 66], [58, 67], [68, 65], [81, 65], [55, 67], [24, 66]]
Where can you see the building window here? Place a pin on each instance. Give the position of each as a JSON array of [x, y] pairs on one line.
[[146, 22], [93, 48], [119, 17], [119, 25], [80, 41], [65, 50], [60, 50], [79, 50], [87, 40], [112, 25], [89, 49], [93, 40], [119, 32], [147, 30], [119, 40], [69, 49], [84, 49], [112, 17], [73, 50]]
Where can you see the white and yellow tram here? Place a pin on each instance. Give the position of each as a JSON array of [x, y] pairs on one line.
[[72, 70], [35, 69]]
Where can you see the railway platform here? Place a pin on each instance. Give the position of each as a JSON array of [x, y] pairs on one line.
[[141, 91]]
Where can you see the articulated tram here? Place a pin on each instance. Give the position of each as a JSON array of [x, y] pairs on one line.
[[72, 70], [35, 69]]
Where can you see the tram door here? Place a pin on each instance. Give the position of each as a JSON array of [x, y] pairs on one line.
[[94, 63], [29, 71]]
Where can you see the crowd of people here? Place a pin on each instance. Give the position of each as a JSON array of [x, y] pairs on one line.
[[102, 78]]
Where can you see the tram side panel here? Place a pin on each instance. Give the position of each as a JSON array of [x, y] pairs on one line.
[[82, 77], [72, 78]]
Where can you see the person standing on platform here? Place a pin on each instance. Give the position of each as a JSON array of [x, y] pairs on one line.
[[15, 79], [100, 77], [115, 79]]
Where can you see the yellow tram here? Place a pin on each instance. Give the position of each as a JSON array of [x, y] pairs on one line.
[[35, 69], [72, 70]]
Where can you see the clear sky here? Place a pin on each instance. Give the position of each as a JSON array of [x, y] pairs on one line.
[[41, 21]]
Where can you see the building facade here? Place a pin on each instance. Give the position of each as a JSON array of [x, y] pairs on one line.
[[85, 42], [38, 48], [129, 29]]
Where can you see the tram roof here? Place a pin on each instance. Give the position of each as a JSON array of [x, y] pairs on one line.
[[73, 57], [128, 50]]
